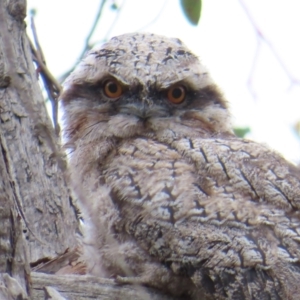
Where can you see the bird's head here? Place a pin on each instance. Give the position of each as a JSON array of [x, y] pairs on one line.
[[141, 84]]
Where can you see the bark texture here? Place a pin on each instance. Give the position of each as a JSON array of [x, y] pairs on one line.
[[33, 161], [36, 216], [86, 287]]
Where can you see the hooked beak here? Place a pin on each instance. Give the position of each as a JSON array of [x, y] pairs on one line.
[[143, 110]]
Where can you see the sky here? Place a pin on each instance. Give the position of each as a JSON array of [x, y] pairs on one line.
[[255, 60]]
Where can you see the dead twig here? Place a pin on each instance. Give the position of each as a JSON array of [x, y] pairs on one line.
[[51, 85], [261, 38]]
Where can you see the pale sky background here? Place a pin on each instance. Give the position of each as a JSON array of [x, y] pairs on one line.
[[225, 41]]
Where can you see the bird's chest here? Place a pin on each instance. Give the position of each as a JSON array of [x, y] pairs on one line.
[[145, 175]]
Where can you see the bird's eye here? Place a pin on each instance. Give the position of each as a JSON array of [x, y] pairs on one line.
[[112, 89], [176, 94]]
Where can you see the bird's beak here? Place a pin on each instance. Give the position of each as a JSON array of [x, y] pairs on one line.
[[142, 110]]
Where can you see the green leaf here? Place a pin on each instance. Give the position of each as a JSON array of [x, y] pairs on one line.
[[192, 10], [241, 131]]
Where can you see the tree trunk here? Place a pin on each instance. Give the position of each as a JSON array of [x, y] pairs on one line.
[[36, 213]]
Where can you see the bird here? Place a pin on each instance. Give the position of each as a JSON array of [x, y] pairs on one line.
[[170, 197]]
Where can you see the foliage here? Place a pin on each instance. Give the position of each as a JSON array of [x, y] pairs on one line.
[[192, 10], [241, 131]]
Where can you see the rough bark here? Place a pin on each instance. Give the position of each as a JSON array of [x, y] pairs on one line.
[[86, 287], [36, 216], [34, 163], [14, 267]]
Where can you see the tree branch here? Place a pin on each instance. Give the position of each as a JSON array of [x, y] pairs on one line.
[[90, 287]]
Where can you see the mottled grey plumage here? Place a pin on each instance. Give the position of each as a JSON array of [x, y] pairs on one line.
[[171, 198]]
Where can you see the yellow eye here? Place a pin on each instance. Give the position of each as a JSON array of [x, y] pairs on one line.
[[176, 94], [112, 89]]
